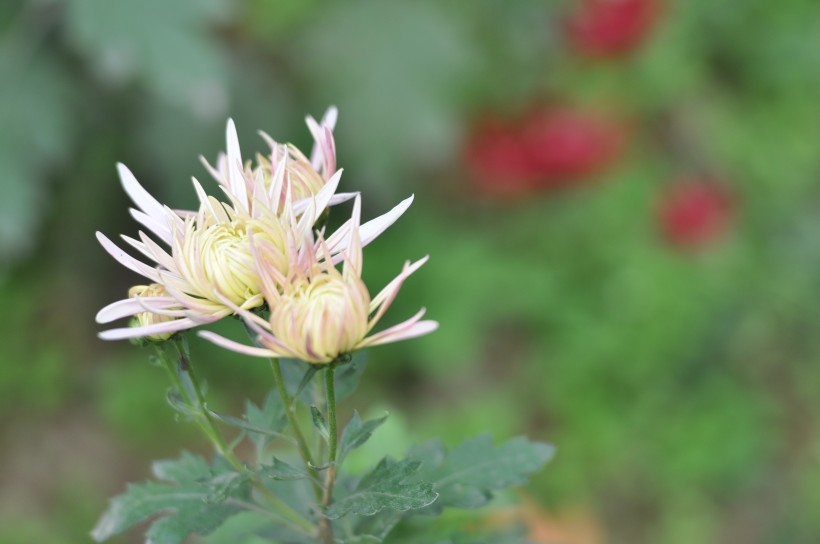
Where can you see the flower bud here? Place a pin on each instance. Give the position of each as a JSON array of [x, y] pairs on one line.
[[150, 318], [322, 317]]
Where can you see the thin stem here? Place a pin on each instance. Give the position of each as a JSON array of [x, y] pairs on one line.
[[216, 437], [325, 528], [208, 426], [290, 411]]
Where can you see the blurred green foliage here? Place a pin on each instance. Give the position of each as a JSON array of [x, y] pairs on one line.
[[679, 387]]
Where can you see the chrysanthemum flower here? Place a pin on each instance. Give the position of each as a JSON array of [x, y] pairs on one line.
[[317, 312], [304, 177], [146, 319], [210, 260]]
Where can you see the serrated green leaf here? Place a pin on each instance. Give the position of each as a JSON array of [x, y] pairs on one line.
[[357, 433], [281, 470], [385, 488], [245, 425], [466, 476], [197, 499]]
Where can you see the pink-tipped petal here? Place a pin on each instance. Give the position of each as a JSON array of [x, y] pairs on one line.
[[223, 342], [368, 232], [160, 255], [236, 180], [165, 327], [159, 228], [407, 329], [321, 199], [130, 306], [330, 117], [139, 195], [127, 260], [353, 253], [338, 198], [324, 150], [384, 299], [204, 201], [215, 171]]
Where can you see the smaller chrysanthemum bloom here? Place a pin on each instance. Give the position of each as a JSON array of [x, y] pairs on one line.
[[146, 294], [318, 313], [302, 176]]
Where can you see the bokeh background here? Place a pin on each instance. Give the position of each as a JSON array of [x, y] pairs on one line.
[[621, 200]]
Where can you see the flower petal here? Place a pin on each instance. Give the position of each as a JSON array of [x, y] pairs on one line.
[[223, 342], [157, 227], [411, 328], [127, 260], [130, 306], [368, 232], [139, 195], [148, 330], [236, 180], [384, 299]]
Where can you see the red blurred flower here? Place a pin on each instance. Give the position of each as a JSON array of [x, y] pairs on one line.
[[546, 147], [496, 159], [564, 145], [694, 213], [610, 28]]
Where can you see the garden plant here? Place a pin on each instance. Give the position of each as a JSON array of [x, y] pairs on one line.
[[259, 251]]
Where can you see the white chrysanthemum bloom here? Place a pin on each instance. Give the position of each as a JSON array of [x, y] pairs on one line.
[[210, 260], [304, 177], [317, 312]]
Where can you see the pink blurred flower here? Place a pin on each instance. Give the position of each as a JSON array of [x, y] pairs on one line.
[[693, 213], [610, 28], [546, 147]]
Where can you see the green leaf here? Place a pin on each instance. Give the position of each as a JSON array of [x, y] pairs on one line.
[[385, 488], [196, 499], [466, 476], [377, 526], [357, 433], [304, 389], [319, 422], [271, 417], [348, 375], [266, 423], [182, 408], [306, 380], [281, 470]]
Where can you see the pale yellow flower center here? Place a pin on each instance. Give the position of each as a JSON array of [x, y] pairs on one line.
[[219, 257], [322, 318], [150, 318]]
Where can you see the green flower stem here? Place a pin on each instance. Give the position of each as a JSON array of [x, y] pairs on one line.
[[208, 426], [290, 410], [325, 528]]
